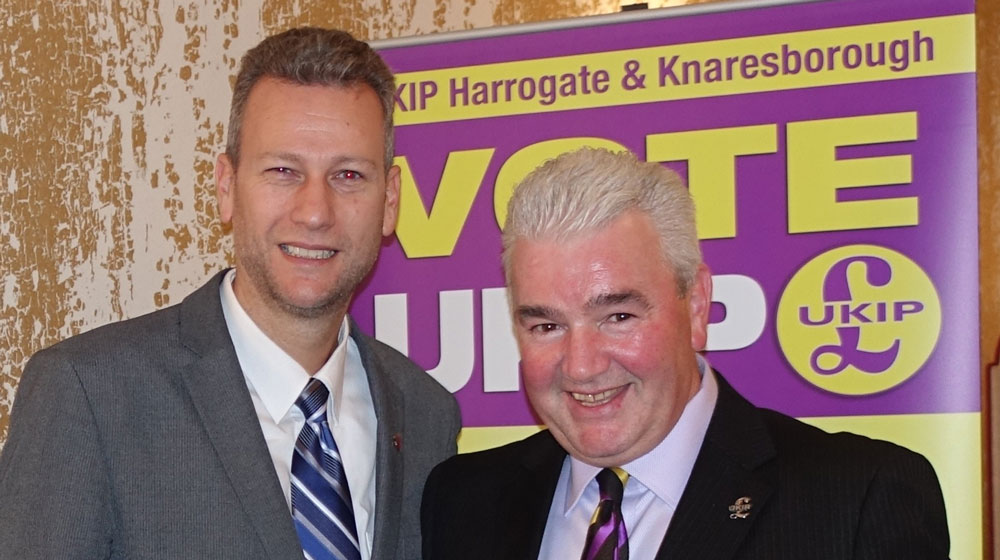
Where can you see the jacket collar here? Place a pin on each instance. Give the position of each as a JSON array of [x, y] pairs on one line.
[[712, 518], [219, 394], [387, 399]]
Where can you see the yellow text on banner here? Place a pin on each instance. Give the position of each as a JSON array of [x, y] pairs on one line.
[[843, 55]]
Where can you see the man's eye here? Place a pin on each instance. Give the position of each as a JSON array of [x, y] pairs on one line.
[[350, 175], [280, 170], [620, 317], [543, 328]]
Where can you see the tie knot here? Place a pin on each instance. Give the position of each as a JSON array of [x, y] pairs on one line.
[[611, 483], [313, 398]]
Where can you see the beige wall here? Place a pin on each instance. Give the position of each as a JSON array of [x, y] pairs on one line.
[[111, 114]]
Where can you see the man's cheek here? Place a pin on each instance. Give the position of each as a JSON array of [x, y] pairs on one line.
[[634, 350], [533, 374]]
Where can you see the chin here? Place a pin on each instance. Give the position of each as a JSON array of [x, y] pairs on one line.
[[599, 452], [309, 307]]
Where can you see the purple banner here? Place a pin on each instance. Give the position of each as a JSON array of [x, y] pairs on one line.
[[846, 267]]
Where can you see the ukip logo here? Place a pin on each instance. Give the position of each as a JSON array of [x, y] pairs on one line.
[[858, 320]]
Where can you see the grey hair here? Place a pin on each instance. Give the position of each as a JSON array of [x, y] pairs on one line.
[[587, 189], [312, 56]]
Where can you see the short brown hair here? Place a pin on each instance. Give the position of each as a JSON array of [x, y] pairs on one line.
[[312, 56]]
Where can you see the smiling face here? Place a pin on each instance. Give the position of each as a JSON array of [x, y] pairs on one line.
[[607, 345], [310, 199]]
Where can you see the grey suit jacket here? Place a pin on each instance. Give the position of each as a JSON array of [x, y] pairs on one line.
[[812, 495], [139, 440]]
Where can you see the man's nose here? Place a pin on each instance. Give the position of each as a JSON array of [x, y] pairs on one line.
[[313, 203], [585, 356]]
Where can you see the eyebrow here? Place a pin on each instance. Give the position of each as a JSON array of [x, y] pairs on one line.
[[288, 156], [618, 298], [535, 312], [597, 302], [352, 160]]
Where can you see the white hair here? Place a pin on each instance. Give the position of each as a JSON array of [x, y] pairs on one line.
[[587, 189]]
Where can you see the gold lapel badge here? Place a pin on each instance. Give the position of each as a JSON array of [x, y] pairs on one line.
[[741, 508]]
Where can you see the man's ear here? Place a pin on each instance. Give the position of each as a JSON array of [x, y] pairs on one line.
[[699, 304], [390, 214], [225, 179]]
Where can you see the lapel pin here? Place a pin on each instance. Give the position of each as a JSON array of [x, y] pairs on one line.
[[397, 441], [740, 509]]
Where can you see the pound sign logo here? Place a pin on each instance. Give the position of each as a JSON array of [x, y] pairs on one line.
[[858, 320]]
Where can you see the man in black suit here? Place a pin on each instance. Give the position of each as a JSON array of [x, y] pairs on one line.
[[649, 453]]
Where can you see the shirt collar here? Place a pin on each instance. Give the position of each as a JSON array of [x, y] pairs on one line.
[[665, 469], [275, 376]]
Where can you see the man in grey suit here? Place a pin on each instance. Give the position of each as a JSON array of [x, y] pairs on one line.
[[649, 453], [187, 433]]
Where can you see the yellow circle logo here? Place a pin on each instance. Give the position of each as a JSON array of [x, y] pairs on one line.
[[859, 319]]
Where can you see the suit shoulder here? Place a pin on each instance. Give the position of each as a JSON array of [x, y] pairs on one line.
[[900, 510], [500, 459], [120, 337], [409, 375], [793, 437], [148, 334]]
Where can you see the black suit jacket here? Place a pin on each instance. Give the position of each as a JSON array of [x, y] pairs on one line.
[[140, 440], [813, 495]]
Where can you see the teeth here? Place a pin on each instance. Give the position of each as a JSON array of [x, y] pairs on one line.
[[595, 399], [304, 253]]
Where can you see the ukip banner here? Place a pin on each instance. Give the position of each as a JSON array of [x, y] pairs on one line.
[[830, 148]]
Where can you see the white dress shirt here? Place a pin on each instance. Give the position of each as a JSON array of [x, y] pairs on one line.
[[275, 381], [656, 482]]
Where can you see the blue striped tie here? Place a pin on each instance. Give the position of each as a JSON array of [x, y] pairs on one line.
[[321, 500]]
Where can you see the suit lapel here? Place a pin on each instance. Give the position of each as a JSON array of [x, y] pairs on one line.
[[529, 501], [219, 393], [736, 444], [389, 408]]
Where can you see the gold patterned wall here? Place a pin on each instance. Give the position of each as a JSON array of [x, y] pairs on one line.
[[111, 114]]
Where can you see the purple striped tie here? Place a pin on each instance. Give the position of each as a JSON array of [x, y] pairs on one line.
[[607, 538], [321, 500]]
